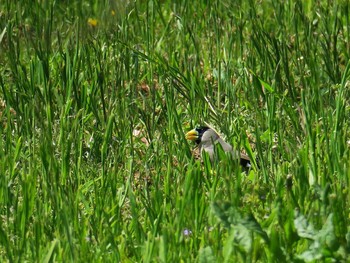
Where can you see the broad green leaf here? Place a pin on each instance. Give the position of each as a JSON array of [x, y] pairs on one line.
[[206, 255], [304, 229]]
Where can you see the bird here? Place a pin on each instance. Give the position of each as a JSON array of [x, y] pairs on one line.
[[207, 139]]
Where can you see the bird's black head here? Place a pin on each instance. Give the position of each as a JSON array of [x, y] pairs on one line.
[[200, 130]]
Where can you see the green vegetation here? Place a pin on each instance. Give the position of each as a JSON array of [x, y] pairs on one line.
[[96, 97]]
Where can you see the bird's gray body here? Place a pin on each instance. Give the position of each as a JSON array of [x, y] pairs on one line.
[[208, 141]]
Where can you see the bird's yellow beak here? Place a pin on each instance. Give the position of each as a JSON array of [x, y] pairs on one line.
[[192, 135]]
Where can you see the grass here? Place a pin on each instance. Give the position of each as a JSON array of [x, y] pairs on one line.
[[96, 97]]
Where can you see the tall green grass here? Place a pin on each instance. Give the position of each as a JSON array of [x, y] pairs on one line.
[[94, 165]]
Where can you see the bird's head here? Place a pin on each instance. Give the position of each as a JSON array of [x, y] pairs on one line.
[[196, 134]]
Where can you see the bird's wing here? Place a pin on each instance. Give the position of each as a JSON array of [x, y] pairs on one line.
[[225, 146], [244, 159]]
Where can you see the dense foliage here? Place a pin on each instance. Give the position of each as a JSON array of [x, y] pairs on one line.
[[96, 97]]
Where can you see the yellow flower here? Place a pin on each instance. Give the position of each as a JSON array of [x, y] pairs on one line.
[[113, 13], [92, 22]]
